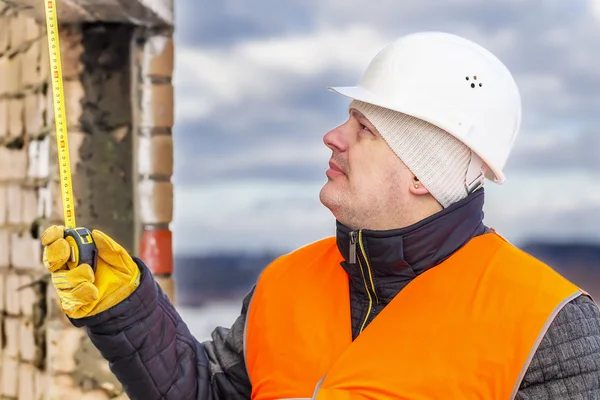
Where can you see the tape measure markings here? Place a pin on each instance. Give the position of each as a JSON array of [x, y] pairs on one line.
[[60, 119]]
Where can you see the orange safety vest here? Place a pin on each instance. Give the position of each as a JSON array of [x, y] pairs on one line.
[[465, 329]]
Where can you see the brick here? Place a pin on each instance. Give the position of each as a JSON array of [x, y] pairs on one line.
[[19, 163], [5, 249], [27, 296], [30, 65], [17, 31], [56, 211], [40, 158], [13, 75], [71, 49], [3, 118], [14, 197], [156, 56], [2, 293], [35, 106], [5, 70], [41, 384], [156, 249], [33, 154], [13, 164], [44, 72], [49, 120], [29, 210], [156, 105], [4, 34], [27, 382], [74, 95], [12, 305], [5, 163], [156, 202], [26, 251], [11, 334], [44, 202], [155, 155], [3, 209], [27, 340], [10, 376], [16, 117], [62, 346], [32, 29]]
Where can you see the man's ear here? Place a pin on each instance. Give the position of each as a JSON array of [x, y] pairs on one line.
[[417, 187]]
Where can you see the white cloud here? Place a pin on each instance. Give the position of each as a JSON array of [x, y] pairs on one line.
[[257, 216], [553, 204], [594, 6], [277, 154], [252, 216], [206, 79], [258, 81]]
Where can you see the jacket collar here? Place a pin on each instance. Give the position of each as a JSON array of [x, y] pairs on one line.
[[396, 256]]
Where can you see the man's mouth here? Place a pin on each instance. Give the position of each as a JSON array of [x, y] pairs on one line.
[[334, 170]]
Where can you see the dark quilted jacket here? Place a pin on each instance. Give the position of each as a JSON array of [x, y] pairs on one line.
[[154, 355]]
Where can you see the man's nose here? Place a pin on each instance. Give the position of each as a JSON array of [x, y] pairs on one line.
[[335, 139]]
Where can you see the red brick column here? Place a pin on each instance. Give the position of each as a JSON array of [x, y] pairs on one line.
[[154, 152]]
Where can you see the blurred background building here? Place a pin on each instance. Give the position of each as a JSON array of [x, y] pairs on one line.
[[232, 160]]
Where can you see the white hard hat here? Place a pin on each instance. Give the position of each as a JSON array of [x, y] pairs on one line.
[[452, 83]]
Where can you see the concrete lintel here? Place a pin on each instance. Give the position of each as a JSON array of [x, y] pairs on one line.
[[138, 12]]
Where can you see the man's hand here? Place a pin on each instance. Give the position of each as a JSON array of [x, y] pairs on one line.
[[83, 293]]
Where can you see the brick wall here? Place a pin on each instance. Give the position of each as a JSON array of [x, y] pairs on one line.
[[119, 105], [24, 195]]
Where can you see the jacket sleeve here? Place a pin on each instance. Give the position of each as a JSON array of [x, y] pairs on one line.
[[566, 365], [155, 357]]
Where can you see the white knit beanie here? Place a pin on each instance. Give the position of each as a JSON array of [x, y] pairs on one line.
[[438, 159]]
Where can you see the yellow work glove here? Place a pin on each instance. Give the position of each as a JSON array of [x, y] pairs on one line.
[[83, 293]]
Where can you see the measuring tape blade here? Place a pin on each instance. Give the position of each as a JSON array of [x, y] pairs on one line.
[[60, 119], [83, 248]]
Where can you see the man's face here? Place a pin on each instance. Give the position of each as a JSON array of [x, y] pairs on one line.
[[367, 184]]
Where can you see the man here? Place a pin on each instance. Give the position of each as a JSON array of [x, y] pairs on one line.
[[414, 298]]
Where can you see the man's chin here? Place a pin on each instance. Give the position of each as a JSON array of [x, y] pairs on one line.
[[328, 195]]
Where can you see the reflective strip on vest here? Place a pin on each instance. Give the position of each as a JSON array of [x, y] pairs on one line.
[[467, 328]]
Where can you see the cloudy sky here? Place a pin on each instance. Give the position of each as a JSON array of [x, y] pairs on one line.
[[252, 107]]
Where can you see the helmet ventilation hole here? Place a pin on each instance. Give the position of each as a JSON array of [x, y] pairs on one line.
[[473, 83]]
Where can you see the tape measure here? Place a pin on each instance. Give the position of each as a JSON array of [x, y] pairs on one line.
[[83, 248]]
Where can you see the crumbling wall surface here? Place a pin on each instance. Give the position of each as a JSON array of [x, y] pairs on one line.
[[24, 199], [97, 80], [96, 76]]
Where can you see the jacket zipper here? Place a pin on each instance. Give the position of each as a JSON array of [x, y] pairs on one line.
[[356, 238]]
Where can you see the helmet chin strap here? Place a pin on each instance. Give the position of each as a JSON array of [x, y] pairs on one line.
[[475, 176]]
